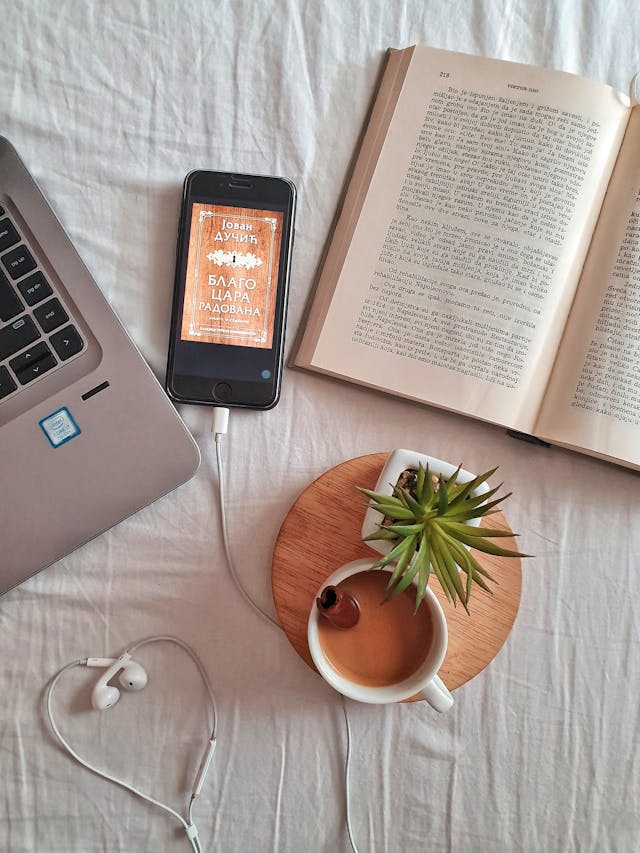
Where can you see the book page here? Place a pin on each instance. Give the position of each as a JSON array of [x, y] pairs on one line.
[[389, 85], [593, 399], [461, 269]]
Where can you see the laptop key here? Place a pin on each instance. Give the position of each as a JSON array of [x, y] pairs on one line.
[[18, 261], [7, 385], [51, 315], [66, 342], [33, 371], [29, 357], [17, 336], [34, 289], [10, 305], [8, 234]]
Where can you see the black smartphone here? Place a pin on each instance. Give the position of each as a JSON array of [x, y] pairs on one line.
[[230, 293]]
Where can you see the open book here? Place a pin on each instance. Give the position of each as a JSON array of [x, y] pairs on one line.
[[486, 257]]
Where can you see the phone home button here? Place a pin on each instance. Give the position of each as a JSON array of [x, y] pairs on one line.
[[222, 392]]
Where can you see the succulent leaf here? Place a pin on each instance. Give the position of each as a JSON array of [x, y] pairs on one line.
[[476, 501], [436, 570], [472, 485], [400, 566], [396, 512], [443, 497], [405, 529], [413, 504], [437, 560], [423, 578], [428, 485], [453, 478], [405, 580], [420, 483], [477, 578], [419, 566], [467, 589], [487, 547], [382, 533], [450, 566], [461, 557], [377, 497], [395, 553], [479, 569], [470, 530]]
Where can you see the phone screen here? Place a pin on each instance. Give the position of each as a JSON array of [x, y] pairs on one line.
[[227, 328], [232, 276]]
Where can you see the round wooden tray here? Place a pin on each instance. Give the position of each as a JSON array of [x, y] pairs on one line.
[[322, 532]]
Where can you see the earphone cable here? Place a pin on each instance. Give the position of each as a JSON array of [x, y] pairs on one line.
[[197, 844], [188, 825], [346, 777]]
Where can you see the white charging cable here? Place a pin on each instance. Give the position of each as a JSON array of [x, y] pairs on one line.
[[219, 428], [188, 825]]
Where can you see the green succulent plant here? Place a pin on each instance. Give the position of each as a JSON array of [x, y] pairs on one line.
[[427, 522]]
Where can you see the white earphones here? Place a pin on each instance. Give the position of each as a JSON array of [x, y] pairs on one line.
[[132, 677]]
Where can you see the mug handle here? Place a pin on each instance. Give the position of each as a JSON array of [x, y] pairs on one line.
[[437, 694]]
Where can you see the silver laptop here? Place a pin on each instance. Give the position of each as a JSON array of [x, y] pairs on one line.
[[87, 434]]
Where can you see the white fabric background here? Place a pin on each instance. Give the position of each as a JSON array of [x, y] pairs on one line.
[[111, 104]]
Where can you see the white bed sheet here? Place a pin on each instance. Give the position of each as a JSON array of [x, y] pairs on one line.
[[111, 104]]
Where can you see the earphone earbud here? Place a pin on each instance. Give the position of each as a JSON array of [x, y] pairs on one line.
[[132, 677], [104, 697]]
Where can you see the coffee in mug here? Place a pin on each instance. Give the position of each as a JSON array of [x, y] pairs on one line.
[[390, 654], [389, 641]]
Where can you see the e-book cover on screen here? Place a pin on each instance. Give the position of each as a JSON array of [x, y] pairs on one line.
[[232, 275]]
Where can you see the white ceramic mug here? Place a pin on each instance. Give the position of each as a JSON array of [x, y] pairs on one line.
[[423, 682]]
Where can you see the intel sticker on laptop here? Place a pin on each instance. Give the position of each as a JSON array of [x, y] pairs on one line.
[[59, 427]]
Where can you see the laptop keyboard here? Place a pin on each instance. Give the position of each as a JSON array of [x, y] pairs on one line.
[[37, 334]]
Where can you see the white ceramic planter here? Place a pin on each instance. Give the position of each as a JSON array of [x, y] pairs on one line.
[[398, 461]]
